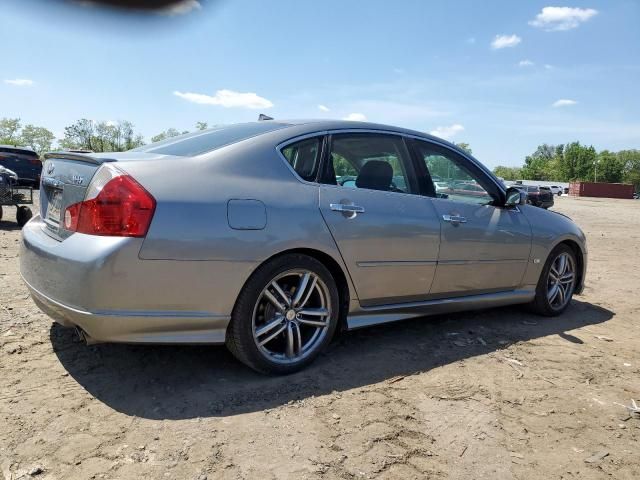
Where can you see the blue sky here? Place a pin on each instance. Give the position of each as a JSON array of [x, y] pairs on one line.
[[560, 74]]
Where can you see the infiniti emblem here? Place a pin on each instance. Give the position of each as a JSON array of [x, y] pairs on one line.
[[50, 168]]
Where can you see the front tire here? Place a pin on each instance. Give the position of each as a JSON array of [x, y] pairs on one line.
[[285, 315], [557, 282]]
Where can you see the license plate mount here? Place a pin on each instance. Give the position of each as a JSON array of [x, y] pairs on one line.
[[53, 208]]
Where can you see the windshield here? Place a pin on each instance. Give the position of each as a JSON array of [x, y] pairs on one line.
[[208, 140]]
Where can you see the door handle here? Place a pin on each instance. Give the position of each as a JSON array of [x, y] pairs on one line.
[[454, 219], [342, 207]]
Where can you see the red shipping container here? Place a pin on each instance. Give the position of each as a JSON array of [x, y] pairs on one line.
[[604, 190]]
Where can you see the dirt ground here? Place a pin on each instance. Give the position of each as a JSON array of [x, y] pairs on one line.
[[497, 394]]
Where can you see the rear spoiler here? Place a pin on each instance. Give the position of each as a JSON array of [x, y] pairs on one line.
[[80, 157]]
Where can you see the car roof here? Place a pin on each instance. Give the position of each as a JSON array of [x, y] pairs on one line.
[[26, 150]]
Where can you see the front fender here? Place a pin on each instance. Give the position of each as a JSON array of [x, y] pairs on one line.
[[550, 229]]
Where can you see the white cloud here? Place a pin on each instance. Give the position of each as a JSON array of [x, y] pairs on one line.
[[562, 18], [447, 132], [181, 8], [20, 82], [526, 63], [356, 117], [563, 102], [228, 99], [505, 41], [548, 67], [323, 108]]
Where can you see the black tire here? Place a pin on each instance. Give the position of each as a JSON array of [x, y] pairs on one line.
[[0, 212], [541, 304], [240, 333], [23, 214]]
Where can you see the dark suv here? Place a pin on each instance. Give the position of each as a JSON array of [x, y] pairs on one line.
[[24, 162], [538, 196]]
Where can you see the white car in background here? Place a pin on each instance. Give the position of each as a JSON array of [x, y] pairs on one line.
[[556, 190]]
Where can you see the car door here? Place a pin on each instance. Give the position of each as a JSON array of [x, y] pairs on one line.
[[484, 247], [387, 233]]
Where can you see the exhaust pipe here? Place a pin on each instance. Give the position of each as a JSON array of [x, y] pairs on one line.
[[85, 337]]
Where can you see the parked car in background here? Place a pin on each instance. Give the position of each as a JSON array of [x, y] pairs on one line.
[[268, 252], [538, 196], [556, 190], [9, 176], [24, 162]]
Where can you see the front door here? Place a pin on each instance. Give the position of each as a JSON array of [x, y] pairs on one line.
[[388, 235], [483, 246]]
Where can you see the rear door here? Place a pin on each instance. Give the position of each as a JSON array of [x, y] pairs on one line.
[[388, 235], [483, 246]]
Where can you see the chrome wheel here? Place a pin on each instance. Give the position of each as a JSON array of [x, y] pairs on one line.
[[561, 281], [292, 316]]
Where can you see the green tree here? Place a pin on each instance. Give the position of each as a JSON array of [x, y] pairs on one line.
[[579, 162], [9, 130], [465, 146], [202, 125], [610, 167], [101, 136], [168, 133], [38, 138], [537, 165], [630, 160], [508, 173]]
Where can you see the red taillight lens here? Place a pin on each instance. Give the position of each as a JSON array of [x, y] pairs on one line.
[[35, 162], [121, 208]]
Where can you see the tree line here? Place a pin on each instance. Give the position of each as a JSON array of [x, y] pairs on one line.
[[84, 134], [576, 162]]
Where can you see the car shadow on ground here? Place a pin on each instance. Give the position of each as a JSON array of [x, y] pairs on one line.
[[180, 382], [9, 225]]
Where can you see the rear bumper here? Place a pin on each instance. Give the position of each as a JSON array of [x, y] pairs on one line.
[[136, 327], [100, 285]]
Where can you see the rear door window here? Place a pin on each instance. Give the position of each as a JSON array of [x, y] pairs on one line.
[[304, 157]]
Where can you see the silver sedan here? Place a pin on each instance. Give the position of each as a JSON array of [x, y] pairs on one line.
[[271, 236]]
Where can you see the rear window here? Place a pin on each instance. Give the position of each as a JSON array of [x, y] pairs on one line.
[[202, 142]]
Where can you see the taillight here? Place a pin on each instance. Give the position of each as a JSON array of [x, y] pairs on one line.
[[115, 205], [35, 162]]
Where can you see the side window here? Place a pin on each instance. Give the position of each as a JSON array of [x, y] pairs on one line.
[[451, 178], [371, 161], [304, 157]]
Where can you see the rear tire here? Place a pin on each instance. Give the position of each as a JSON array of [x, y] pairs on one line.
[[23, 215], [557, 283], [285, 315], [0, 212]]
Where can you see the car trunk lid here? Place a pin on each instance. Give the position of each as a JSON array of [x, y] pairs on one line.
[[65, 178]]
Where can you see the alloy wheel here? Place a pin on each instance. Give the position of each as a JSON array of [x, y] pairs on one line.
[[561, 281], [291, 317]]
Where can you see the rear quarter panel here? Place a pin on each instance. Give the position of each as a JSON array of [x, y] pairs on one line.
[[191, 218]]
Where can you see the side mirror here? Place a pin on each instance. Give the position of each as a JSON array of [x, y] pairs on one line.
[[515, 197]]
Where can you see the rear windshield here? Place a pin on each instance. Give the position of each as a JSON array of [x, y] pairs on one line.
[[205, 141]]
